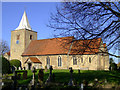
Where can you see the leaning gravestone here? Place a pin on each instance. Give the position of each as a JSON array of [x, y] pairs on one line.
[[40, 76], [71, 78]]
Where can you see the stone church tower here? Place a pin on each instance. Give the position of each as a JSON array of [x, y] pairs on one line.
[[21, 37]]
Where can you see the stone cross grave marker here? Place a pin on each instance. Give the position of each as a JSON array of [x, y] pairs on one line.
[[50, 76], [71, 78]]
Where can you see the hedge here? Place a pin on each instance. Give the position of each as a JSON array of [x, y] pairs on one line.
[[15, 63], [5, 66]]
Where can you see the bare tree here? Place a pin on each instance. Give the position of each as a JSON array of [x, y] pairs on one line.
[[89, 20], [4, 47]]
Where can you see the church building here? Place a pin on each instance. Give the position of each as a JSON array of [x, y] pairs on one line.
[[61, 53]]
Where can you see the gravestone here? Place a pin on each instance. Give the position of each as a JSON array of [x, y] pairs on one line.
[[71, 78], [81, 86], [78, 71], [40, 76], [25, 75], [50, 76], [33, 80]]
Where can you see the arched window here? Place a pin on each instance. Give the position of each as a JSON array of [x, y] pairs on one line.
[[74, 60], [31, 37], [89, 59], [81, 60], [48, 60], [59, 61], [18, 37]]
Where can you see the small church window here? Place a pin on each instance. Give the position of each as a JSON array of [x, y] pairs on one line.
[[17, 42], [48, 61], [59, 61], [89, 59], [18, 37], [74, 60], [31, 37]]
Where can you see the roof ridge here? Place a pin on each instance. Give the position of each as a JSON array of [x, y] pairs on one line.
[[89, 39], [53, 38]]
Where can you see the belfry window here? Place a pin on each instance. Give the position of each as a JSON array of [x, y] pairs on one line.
[[18, 37], [31, 37], [59, 61], [74, 60]]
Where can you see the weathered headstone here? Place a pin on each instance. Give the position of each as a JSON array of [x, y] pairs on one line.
[[40, 76], [95, 82], [50, 76], [81, 86], [71, 78], [33, 80]]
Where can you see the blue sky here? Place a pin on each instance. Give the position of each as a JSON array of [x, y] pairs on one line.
[[38, 14]]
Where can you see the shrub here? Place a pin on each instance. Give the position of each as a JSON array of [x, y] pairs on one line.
[[113, 66], [15, 63], [5, 66]]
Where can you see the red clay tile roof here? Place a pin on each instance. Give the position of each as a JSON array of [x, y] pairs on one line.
[[61, 46], [49, 46], [8, 53], [34, 60], [86, 46]]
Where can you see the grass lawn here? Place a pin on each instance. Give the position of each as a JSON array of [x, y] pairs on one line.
[[63, 76]]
